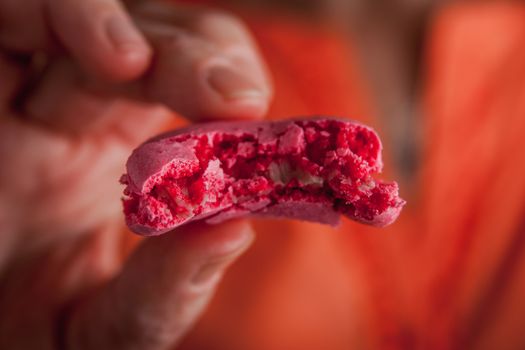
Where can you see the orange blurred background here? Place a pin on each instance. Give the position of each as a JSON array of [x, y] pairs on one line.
[[445, 86]]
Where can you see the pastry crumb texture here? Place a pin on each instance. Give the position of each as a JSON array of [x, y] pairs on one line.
[[306, 169]]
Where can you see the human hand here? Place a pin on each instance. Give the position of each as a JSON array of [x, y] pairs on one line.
[[82, 85]]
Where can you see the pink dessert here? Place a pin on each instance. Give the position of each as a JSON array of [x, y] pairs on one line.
[[311, 169]]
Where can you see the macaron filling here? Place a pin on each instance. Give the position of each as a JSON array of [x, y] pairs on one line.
[[221, 175]]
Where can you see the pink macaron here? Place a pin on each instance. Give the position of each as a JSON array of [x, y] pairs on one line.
[[306, 169]]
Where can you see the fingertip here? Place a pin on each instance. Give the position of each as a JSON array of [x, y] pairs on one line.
[[239, 95], [202, 101], [204, 78], [197, 243], [227, 93], [131, 52], [119, 64], [250, 108], [247, 109], [102, 37], [233, 85], [212, 242], [126, 65], [228, 242]]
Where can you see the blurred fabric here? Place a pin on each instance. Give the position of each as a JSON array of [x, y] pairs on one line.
[[449, 274]]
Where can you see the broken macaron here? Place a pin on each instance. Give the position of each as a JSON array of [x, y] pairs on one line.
[[306, 169]]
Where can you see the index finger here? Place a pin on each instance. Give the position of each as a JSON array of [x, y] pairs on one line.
[[206, 65]]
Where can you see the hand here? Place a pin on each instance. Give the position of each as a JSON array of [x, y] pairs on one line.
[[83, 82]]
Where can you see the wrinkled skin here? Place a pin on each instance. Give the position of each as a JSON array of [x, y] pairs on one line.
[[104, 84]]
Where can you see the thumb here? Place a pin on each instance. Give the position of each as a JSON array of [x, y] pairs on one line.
[[162, 290]]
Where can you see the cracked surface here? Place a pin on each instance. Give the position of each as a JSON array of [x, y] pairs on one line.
[[312, 170]]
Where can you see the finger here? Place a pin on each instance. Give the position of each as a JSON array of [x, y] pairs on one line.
[[162, 290], [98, 33], [101, 36], [197, 72], [63, 102], [206, 68]]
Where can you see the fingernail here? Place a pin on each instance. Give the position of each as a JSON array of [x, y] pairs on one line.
[[212, 270], [124, 36], [232, 85]]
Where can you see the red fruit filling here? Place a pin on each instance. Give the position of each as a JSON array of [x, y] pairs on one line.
[[326, 161]]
